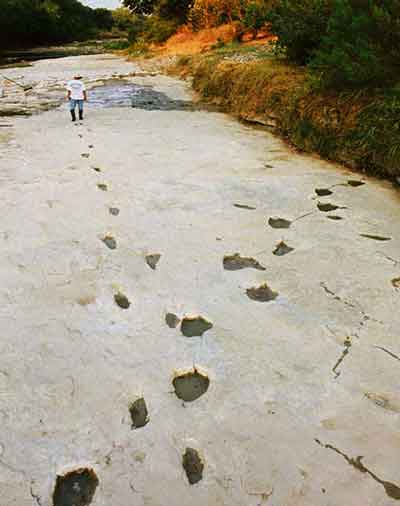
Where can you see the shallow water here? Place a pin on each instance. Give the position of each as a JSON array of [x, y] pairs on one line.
[[112, 95], [124, 94]]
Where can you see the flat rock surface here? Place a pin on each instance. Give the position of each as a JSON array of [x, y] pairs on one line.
[[299, 387]]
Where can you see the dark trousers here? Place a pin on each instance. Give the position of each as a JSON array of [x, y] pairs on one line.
[[72, 106]]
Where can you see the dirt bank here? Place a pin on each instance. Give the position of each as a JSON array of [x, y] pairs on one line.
[[359, 129]]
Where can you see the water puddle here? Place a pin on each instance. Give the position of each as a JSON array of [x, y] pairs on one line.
[[117, 93], [121, 93]]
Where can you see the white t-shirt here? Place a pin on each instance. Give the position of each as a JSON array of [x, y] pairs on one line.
[[76, 87]]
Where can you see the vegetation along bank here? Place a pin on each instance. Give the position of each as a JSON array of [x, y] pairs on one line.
[[323, 73]]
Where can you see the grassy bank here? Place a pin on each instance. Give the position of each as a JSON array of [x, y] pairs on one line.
[[358, 128]]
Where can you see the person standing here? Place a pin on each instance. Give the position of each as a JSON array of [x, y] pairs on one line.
[[76, 94]]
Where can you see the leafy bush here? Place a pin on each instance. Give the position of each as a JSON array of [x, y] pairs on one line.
[[209, 13], [174, 9], [116, 45], [158, 29], [376, 141], [136, 29], [168, 9], [123, 18], [361, 45], [255, 16], [151, 29], [28, 22], [300, 26]]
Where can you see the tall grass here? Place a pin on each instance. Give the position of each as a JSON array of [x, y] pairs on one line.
[[359, 128]]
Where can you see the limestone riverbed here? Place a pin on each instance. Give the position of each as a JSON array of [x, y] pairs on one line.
[[191, 312]]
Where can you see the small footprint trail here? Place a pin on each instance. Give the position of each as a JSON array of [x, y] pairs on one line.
[[76, 488], [236, 262], [262, 293], [323, 192], [110, 242], [396, 283], [172, 320], [276, 222], [193, 465], [139, 413], [190, 385], [195, 326], [328, 207], [122, 300], [282, 249], [152, 260]]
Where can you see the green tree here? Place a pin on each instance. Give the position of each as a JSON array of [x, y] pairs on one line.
[[141, 7], [300, 26], [122, 18], [103, 19], [174, 9], [361, 45], [33, 22]]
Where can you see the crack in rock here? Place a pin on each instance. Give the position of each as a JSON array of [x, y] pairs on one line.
[[34, 496], [334, 217], [282, 249], [194, 326], [347, 346], [193, 465], [236, 262], [263, 293], [364, 317], [152, 260], [76, 488], [335, 296], [388, 352], [139, 413], [391, 489], [190, 385], [245, 206], [376, 237], [387, 257], [382, 401]]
